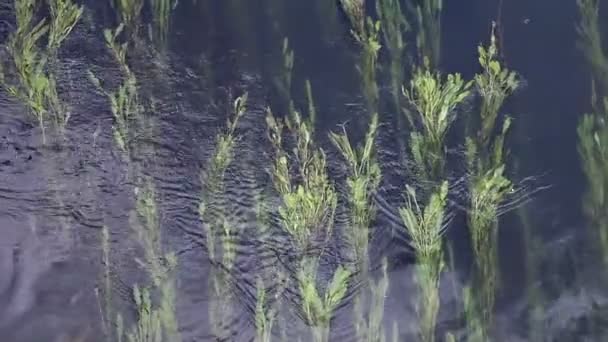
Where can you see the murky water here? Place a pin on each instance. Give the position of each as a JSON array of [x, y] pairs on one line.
[[56, 198]]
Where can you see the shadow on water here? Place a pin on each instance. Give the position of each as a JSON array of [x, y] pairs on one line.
[[55, 199]]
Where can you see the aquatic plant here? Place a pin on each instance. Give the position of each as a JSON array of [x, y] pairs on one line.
[[355, 11], [308, 206], [434, 99], [428, 37], [161, 11], [283, 80], [129, 13], [494, 84], [394, 26], [35, 84], [426, 226], [64, 16], [125, 105], [107, 282], [362, 183], [370, 328], [318, 310], [590, 40]]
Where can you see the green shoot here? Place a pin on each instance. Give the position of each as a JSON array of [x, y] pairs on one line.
[[64, 16], [428, 38]]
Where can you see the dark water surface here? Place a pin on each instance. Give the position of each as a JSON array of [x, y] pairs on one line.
[[55, 199]]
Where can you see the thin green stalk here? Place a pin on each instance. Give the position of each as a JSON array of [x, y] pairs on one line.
[[426, 226], [64, 16], [428, 38], [129, 13], [590, 41], [161, 11], [370, 328]]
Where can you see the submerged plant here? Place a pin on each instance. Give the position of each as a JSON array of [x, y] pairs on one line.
[[355, 11], [362, 183], [125, 105], [434, 100], [426, 226], [590, 40], [35, 84], [129, 13], [318, 309], [428, 38], [308, 206], [161, 11], [371, 328]]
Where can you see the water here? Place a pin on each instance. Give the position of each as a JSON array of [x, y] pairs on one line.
[[55, 199]]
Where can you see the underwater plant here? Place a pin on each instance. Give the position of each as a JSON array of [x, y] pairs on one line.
[[129, 13], [370, 328], [433, 99], [125, 105], [362, 183], [318, 309], [394, 26], [428, 22], [161, 11], [283, 80], [590, 40], [425, 226], [35, 84]]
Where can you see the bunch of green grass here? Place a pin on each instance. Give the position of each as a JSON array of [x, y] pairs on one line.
[[428, 37], [434, 100], [426, 226], [362, 183], [35, 85], [495, 84], [394, 26], [125, 105], [319, 309], [590, 40], [308, 205]]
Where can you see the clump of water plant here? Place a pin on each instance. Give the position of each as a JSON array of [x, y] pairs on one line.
[[29, 78], [125, 105], [283, 80], [309, 199], [428, 38], [318, 309], [371, 328], [362, 182], [220, 235], [129, 13], [590, 40], [161, 11], [394, 26], [433, 99], [425, 226]]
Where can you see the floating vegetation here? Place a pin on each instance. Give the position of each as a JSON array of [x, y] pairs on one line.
[[125, 105], [362, 183], [426, 225], [29, 78], [318, 310], [434, 99]]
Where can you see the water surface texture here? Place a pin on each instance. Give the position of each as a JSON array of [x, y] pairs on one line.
[[57, 198]]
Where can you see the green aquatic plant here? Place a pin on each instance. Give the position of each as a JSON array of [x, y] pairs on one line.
[[362, 183], [593, 150], [319, 309], [264, 314], [590, 40], [428, 38], [308, 206], [426, 226], [394, 26], [148, 327], [161, 11], [64, 16], [495, 84], [35, 84], [129, 14], [355, 11], [107, 282], [433, 99], [283, 80], [370, 328], [125, 104]]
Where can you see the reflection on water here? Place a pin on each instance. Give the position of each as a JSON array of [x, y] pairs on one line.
[[56, 198]]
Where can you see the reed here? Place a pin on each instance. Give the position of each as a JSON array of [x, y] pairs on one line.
[[318, 309], [425, 226], [433, 99], [362, 183]]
